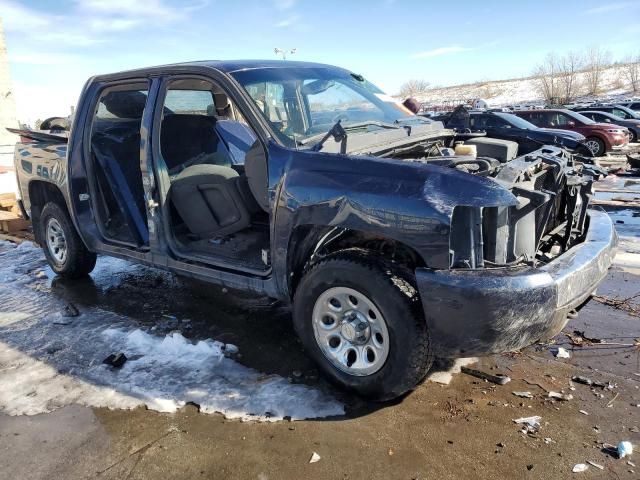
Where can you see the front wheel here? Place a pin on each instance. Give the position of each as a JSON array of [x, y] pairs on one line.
[[596, 146], [360, 320], [66, 253]]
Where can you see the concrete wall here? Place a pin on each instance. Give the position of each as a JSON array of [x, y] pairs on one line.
[[7, 106]]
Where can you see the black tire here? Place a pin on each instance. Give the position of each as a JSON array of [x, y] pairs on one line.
[[78, 261], [634, 136], [601, 147], [409, 358]]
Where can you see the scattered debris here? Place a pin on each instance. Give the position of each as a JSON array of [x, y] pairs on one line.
[[549, 440], [630, 463], [610, 404], [594, 464], [584, 412], [314, 458], [523, 394], [580, 467], [498, 378], [69, 311], [562, 353], [592, 383], [560, 396], [579, 339], [116, 360], [532, 424], [624, 449], [624, 304]]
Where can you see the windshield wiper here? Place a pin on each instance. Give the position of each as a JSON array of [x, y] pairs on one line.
[[339, 133]]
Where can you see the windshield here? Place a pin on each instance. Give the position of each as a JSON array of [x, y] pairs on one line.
[[516, 121], [579, 118], [300, 103]]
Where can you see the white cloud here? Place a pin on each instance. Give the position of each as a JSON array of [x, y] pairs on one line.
[[288, 22], [437, 52], [611, 7]]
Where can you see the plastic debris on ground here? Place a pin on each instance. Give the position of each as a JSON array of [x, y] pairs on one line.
[[584, 412], [531, 424], [562, 353], [314, 458], [523, 394], [580, 467], [560, 396], [594, 464], [624, 449], [498, 378]]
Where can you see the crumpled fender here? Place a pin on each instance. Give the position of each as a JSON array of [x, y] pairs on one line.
[[411, 202]]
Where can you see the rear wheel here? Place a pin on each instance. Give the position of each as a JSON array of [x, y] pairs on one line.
[[596, 146], [361, 321], [633, 138], [63, 247]]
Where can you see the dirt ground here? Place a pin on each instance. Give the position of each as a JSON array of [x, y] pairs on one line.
[[461, 430]]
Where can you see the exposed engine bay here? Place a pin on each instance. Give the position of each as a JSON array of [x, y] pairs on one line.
[[552, 189]]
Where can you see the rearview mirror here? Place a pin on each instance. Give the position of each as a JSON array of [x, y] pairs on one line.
[[317, 86]]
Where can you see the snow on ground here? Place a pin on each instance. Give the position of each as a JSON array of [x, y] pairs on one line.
[[48, 361], [516, 91]]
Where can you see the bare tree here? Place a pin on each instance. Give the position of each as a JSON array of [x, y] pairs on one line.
[[631, 71], [412, 88], [548, 77], [569, 67], [597, 60]]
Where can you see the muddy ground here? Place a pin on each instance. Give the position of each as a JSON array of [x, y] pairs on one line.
[[461, 430]]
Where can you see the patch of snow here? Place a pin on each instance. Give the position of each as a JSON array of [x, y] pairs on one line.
[[45, 366]]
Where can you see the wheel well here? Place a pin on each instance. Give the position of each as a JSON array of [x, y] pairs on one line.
[[310, 243], [41, 193]]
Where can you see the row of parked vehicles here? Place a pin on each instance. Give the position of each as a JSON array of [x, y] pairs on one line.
[[601, 128]]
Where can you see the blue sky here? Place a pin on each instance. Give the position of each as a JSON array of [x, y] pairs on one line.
[[55, 46]]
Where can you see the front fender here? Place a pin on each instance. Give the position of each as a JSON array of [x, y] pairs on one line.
[[411, 202]]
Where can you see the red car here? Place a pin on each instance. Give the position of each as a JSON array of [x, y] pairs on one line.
[[601, 137]]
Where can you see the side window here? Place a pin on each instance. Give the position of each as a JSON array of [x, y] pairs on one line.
[[494, 122], [563, 120], [200, 126], [195, 102], [620, 113]]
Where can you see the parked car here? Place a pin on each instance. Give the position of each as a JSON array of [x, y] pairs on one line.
[[601, 137], [604, 117], [507, 126], [618, 110], [304, 183], [635, 105]]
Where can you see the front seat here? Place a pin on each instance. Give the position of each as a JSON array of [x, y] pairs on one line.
[[209, 200]]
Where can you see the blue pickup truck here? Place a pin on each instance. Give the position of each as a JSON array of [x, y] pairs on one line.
[[306, 183]]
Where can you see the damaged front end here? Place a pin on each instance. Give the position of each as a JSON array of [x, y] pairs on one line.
[[518, 267], [550, 214]]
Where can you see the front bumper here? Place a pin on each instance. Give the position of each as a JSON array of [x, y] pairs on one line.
[[480, 312]]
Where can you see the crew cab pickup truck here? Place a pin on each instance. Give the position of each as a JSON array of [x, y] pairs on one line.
[[306, 183]]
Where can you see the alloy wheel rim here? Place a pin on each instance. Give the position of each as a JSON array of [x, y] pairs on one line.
[[56, 241], [350, 331], [593, 146]]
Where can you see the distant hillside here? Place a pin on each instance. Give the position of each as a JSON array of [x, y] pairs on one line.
[[519, 90]]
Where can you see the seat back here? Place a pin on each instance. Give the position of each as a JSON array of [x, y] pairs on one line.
[[185, 136]]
